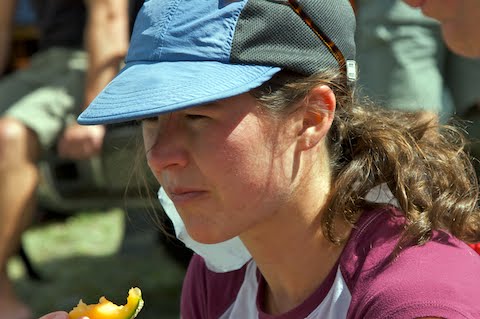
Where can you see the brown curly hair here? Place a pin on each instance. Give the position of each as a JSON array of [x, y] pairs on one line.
[[424, 163]]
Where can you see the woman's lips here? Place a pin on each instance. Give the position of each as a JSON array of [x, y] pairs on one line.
[[180, 197]]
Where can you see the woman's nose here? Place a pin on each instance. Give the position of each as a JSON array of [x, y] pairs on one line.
[[166, 149]]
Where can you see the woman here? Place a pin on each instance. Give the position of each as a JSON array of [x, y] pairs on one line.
[[251, 128]]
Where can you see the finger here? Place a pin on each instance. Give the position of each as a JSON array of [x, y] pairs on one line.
[[68, 148], [443, 11], [80, 151], [56, 315], [61, 147], [89, 148], [67, 152], [415, 3]]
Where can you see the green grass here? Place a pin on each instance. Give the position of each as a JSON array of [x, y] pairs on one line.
[[90, 255]]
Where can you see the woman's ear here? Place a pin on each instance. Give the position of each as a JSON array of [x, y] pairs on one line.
[[318, 114]]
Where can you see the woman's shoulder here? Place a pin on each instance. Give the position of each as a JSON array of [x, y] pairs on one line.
[[444, 273], [378, 231]]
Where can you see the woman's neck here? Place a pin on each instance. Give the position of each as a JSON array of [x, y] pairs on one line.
[[298, 268], [291, 252]]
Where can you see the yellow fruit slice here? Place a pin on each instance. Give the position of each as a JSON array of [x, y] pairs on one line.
[[107, 310]]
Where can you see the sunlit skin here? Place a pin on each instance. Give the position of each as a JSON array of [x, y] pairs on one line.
[[459, 21], [232, 170]]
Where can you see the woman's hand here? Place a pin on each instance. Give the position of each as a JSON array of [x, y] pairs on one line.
[[57, 315]]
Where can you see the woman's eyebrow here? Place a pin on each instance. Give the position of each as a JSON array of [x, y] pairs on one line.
[[207, 106]]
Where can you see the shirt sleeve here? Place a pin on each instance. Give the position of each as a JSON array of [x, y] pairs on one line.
[[438, 279], [434, 286]]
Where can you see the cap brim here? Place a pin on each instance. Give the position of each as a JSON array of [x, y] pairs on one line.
[[144, 90]]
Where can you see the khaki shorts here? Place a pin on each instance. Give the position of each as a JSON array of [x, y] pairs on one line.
[[48, 94]]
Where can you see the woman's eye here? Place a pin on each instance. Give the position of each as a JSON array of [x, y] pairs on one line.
[[195, 116]]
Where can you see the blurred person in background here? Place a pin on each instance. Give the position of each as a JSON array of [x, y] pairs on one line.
[[81, 47], [405, 62], [459, 21]]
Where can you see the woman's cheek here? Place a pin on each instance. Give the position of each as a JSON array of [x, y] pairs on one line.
[[148, 138]]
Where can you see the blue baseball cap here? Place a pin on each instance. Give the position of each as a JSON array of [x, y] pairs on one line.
[[185, 53]]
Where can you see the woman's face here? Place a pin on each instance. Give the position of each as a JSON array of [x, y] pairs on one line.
[[226, 166]]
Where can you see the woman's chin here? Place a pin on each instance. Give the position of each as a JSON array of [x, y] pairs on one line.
[[208, 237]]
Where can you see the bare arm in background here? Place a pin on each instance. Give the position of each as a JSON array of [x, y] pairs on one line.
[[106, 40], [459, 20], [6, 26]]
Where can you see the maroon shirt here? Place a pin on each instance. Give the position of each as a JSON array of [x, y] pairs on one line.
[[439, 279]]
